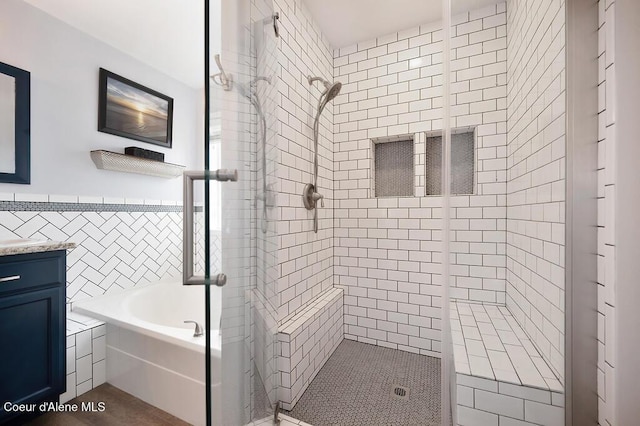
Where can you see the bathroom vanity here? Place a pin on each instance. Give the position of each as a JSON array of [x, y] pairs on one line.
[[32, 323]]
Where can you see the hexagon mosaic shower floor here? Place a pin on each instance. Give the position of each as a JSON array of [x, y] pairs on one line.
[[357, 386]]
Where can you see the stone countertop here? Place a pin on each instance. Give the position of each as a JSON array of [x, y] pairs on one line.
[[41, 246]]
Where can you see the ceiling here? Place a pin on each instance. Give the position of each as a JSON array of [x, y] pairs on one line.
[[165, 34], [348, 22]]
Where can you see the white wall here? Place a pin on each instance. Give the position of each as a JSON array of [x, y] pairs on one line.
[[622, 232], [387, 249], [606, 208], [64, 64], [116, 249], [536, 173]]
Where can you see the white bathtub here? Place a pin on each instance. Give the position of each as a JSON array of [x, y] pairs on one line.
[[152, 354]]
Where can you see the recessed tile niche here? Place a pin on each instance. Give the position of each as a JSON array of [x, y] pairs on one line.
[[462, 163], [393, 167]]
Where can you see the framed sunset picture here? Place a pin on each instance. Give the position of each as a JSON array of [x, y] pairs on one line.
[[133, 111]]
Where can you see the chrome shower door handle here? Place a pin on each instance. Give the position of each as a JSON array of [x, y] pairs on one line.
[[188, 277]]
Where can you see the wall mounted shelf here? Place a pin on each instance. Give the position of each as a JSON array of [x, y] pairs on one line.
[[107, 160]]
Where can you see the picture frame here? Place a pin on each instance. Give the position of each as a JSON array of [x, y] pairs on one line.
[[131, 110], [15, 125]]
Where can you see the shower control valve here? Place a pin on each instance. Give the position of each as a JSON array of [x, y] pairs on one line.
[[310, 197], [316, 196]]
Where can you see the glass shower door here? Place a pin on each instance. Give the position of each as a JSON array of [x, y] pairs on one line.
[[261, 93], [227, 213], [239, 215]]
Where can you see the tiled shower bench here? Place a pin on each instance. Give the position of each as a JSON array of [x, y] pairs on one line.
[[501, 379], [306, 341]]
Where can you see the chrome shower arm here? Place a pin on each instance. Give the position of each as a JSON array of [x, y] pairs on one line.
[[314, 79]]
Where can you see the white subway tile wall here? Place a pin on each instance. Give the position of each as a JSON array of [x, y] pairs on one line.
[[264, 264], [305, 259], [387, 250], [606, 213], [536, 173]]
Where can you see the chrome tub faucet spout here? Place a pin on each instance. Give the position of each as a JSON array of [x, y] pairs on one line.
[[198, 330]]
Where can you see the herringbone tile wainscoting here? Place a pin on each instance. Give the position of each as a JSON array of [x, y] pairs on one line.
[[118, 245]]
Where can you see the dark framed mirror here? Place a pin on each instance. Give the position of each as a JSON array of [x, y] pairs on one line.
[[15, 125]]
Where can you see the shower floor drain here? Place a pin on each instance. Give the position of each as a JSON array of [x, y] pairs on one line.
[[400, 392]]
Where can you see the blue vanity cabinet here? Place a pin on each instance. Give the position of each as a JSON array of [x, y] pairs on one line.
[[32, 328]]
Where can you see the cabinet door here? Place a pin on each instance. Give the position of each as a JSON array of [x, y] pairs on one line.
[[32, 341]]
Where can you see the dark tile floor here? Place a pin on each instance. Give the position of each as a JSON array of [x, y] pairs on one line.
[[356, 387], [121, 409]]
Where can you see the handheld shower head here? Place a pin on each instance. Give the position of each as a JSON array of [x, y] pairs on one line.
[[311, 195], [331, 90]]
